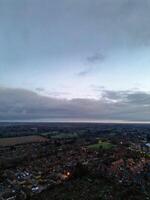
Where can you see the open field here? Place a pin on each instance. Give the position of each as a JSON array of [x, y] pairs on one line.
[[21, 140], [64, 135], [103, 145]]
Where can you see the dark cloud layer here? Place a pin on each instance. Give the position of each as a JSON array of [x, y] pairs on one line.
[[20, 104], [36, 29]]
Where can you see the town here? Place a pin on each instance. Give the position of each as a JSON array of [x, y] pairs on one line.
[[74, 161]]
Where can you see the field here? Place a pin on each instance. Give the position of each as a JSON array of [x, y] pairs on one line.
[[21, 140], [64, 135], [103, 145]]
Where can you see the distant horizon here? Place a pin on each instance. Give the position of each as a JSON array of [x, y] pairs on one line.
[[75, 122]]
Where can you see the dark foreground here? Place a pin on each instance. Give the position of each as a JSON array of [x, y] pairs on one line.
[[74, 162]]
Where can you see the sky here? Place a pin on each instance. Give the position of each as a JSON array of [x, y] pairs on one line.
[[75, 60]]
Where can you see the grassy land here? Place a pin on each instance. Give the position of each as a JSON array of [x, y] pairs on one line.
[[60, 135], [64, 135], [103, 145]]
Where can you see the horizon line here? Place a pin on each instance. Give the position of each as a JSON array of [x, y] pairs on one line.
[[77, 121]]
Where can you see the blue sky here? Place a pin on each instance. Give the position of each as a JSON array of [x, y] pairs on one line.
[[73, 49]]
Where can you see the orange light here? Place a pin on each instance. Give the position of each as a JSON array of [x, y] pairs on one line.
[[68, 173]]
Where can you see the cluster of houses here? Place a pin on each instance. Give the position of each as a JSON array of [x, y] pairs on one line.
[[49, 164]]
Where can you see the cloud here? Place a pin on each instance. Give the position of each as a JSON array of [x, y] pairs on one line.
[[50, 93], [91, 63], [80, 27], [40, 89], [84, 72], [97, 57], [20, 104], [56, 94]]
